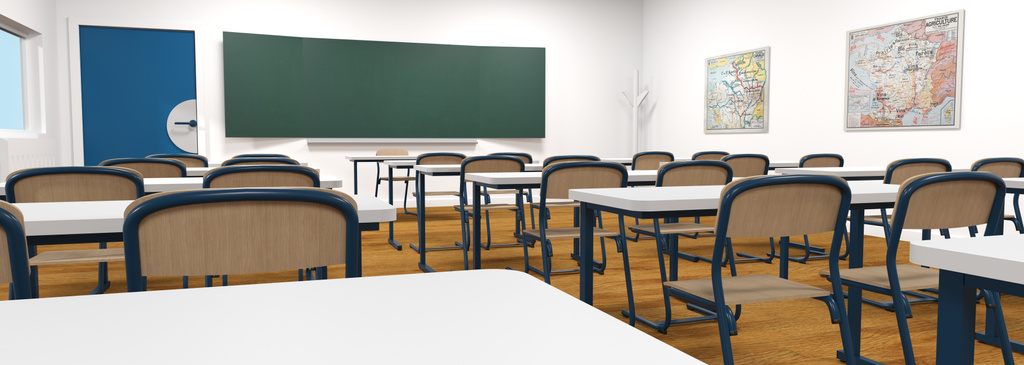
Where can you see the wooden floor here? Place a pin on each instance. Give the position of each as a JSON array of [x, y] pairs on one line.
[[792, 332]]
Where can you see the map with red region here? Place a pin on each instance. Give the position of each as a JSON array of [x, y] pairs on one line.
[[905, 74]]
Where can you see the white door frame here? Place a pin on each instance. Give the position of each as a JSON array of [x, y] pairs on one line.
[[75, 70]]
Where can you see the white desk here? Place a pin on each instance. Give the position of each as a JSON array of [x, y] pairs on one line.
[[358, 159], [772, 165], [461, 317], [675, 202], [200, 171], [966, 264], [162, 184], [848, 173]]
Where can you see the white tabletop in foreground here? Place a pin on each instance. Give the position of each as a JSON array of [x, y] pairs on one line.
[[995, 257], [62, 218], [459, 317], [673, 198]]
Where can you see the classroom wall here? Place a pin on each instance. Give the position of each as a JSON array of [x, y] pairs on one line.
[[42, 150], [593, 46], [808, 50]]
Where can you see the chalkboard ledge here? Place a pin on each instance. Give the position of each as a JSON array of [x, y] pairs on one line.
[[392, 140]]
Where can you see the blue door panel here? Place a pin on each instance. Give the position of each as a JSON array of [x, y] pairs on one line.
[[131, 79]]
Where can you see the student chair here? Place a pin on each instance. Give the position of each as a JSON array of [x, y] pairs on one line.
[[709, 155], [259, 161], [685, 173], [747, 165], [816, 160], [240, 231], [14, 267], [926, 201], [149, 167], [556, 181], [774, 206], [568, 158], [259, 176], [435, 158], [649, 160], [527, 159], [408, 177], [188, 159], [1004, 167], [76, 183], [482, 164], [899, 171]]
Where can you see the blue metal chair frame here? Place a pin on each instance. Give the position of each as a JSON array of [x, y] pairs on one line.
[[660, 182], [466, 213], [716, 309], [552, 159], [701, 153], [529, 192], [820, 155], [545, 243], [133, 269], [902, 309], [17, 249], [808, 249], [140, 190], [279, 160], [206, 162], [421, 186], [117, 161], [771, 240]]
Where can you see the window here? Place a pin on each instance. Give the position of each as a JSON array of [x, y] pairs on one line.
[[12, 111]]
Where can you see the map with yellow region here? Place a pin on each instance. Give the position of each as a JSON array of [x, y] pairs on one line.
[[737, 92], [905, 74]]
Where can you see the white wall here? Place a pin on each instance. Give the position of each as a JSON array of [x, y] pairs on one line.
[[807, 40], [44, 149], [592, 46]]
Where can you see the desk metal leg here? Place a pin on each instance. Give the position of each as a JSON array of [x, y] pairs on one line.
[[855, 248], [421, 221], [391, 200], [355, 177], [955, 341], [476, 226], [587, 220]]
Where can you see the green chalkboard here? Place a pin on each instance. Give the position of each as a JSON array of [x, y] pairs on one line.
[[278, 86]]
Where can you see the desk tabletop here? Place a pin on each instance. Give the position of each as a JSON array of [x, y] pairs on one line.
[[380, 158], [534, 177], [995, 257], [675, 198], [870, 171], [448, 169], [91, 217], [463, 316], [162, 184]]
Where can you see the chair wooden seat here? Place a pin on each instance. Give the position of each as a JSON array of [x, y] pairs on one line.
[[571, 232], [502, 191], [875, 219], [487, 207], [750, 289], [398, 178], [672, 228], [77, 257], [558, 204], [439, 193], [912, 277]]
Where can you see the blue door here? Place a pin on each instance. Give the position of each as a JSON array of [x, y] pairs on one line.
[[136, 86]]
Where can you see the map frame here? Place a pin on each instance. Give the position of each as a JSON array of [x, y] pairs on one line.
[[765, 89], [849, 125]]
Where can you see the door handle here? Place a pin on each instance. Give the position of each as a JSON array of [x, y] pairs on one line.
[[191, 123]]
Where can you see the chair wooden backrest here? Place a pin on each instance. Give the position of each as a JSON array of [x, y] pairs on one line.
[[392, 152], [260, 155], [559, 178], [149, 167], [256, 176], [651, 160], [491, 163], [900, 170], [187, 159], [787, 205], [526, 157], [440, 158], [74, 183], [239, 231], [822, 160], [746, 165], [14, 268], [948, 200], [709, 155], [1001, 166], [259, 161], [693, 173], [568, 158]]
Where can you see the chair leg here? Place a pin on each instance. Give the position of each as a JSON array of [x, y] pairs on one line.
[[901, 305], [723, 334], [629, 284]]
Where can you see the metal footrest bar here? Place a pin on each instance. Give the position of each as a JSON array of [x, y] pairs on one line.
[[458, 246], [841, 355], [887, 304], [662, 326]]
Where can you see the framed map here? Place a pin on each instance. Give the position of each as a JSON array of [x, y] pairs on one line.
[[736, 92], [905, 75]]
